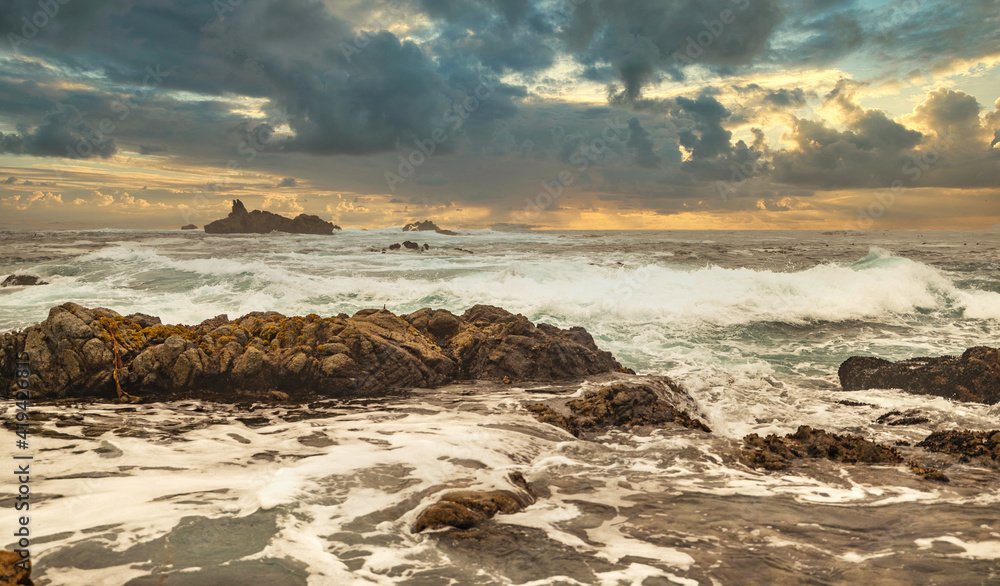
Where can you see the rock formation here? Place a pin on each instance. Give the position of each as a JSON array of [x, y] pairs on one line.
[[189, 227], [973, 376], [81, 352], [240, 221], [776, 453], [635, 402], [427, 226], [464, 509], [965, 444], [22, 281]]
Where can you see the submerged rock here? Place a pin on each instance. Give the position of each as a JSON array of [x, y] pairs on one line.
[[74, 353], [650, 401], [973, 376], [965, 444], [240, 221], [908, 417], [427, 226], [776, 453], [22, 281], [464, 509]]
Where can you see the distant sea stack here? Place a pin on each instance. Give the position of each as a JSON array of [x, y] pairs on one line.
[[189, 227], [240, 221], [427, 226]]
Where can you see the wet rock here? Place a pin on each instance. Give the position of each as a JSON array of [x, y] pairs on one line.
[[189, 227], [854, 403], [973, 376], [22, 281], [965, 444], [776, 453], [464, 509], [395, 246], [645, 401], [427, 226], [10, 573], [240, 221], [411, 245], [74, 353], [909, 417], [145, 320], [928, 473]]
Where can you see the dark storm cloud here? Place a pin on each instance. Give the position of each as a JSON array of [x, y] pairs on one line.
[[287, 182], [62, 133], [645, 39], [640, 145], [149, 149], [707, 137]]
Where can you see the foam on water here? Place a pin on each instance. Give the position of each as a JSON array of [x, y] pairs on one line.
[[753, 326]]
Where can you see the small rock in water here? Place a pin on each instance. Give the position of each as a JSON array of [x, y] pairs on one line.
[[22, 281], [965, 444], [910, 417], [464, 509], [776, 453], [625, 404]]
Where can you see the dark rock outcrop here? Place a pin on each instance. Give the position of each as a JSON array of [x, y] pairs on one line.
[[464, 509], [240, 221], [22, 281], [74, 353], [10, 573], [189, 227], [973, 376], [776, 453], [908, 417], [649, 401], [427, 226], [965, 444]]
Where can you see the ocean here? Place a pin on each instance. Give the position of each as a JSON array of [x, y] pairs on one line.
[[754, 324]]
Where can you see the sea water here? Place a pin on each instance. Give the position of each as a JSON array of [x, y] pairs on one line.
[[752, 324]]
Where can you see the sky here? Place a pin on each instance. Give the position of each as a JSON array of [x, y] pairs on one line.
[[556, 114]]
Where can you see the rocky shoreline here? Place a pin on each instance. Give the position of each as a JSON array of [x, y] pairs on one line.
[[97, 353]]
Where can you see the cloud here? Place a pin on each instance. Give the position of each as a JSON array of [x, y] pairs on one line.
[[24, 202], [10, 180], [62, 133], [287, 182], [436, 178], [644, 39], [102, 200], [641, 145]]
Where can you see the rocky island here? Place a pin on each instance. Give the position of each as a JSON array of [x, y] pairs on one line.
[[427, 226], [240, 221]]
